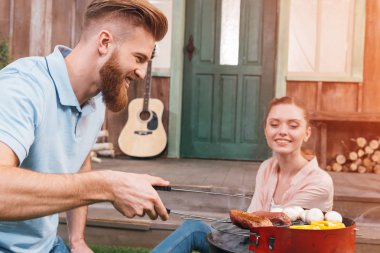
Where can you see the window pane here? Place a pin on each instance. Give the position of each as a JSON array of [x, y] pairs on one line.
[[336, 31], [229, 38], [320, 36], [302, 36]]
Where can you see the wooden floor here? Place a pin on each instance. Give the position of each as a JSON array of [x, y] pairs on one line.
[[357, 196]]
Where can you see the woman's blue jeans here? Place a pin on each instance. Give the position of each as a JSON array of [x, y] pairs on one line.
[[191, 235], [59, 246]]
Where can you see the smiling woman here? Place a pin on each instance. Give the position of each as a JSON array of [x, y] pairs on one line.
[[289, 178]]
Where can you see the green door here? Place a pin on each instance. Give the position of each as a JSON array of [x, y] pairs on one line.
[[228, 78]]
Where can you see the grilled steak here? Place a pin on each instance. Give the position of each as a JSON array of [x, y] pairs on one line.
[[248, 220], [277, 218]]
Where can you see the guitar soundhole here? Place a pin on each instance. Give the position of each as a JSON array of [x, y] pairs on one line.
[[144, 115]]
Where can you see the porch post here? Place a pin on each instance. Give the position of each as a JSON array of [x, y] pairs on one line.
[[176, 78], [282, 48]]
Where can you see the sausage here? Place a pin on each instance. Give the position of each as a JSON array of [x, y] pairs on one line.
[[277, 218], [248, 220]]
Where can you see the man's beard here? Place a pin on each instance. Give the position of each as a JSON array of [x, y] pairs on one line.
[[113, 85]]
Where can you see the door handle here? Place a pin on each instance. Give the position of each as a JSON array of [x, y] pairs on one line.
[[190, 48]]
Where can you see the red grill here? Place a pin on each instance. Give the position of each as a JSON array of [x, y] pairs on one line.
[[279, 240], [285, 240]]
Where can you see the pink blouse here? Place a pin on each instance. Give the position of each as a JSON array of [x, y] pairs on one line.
[[311, 187]]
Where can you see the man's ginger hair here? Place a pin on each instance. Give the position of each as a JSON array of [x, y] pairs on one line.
[[139, 13]]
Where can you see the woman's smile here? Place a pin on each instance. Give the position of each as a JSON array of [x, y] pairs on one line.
[[282, 141]]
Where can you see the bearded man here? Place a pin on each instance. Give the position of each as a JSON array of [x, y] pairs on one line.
[[51, 110]]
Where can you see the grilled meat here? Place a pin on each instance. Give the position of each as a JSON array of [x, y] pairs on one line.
[[277, 218], [248, 220]]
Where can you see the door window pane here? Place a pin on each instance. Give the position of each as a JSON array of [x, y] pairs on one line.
[[229, 38]]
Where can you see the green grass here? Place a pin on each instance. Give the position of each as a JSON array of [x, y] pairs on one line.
[[4, 54], [114, 249]]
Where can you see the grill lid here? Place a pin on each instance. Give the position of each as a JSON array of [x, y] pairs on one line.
[[226, 242], [230, 228]]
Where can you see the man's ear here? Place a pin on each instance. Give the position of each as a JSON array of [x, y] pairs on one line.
[[104, 42]]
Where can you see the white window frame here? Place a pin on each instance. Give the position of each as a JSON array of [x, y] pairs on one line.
[[162, 62]]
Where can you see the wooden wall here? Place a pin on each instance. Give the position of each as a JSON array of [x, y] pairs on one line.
[[342, 111], [14, 26], [34, 27]]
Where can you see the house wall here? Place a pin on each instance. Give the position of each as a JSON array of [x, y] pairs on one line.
[[34, 27], [341, 111]]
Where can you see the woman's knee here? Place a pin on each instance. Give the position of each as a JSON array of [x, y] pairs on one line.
[[196, 226]]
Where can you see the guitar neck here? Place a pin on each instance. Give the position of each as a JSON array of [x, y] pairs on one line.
[[147, 91]]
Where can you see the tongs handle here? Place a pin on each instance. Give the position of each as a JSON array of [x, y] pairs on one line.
[[162, 188]]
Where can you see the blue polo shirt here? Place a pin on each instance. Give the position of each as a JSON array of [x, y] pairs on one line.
[[43, 123]]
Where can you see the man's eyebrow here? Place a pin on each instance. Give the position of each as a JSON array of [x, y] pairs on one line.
[[143, 57]]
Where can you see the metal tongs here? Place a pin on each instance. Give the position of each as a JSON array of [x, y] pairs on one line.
[[170, 188], [192, 216]]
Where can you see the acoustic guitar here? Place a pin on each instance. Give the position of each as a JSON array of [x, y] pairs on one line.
[[144, 135]]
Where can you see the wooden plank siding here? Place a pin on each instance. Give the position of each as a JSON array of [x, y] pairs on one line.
[[371, 85], [5, 13], [341, 111], [35, 27], [19, 28], [63, 22]]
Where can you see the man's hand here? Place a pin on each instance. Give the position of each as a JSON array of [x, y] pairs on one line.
[[133, 195], [80, 246]]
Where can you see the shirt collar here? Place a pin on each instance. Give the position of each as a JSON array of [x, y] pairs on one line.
[[300, 176], [58, 72], [90, 105]]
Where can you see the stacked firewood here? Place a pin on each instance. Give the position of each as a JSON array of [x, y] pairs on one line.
[[102, 148], [365, 158]]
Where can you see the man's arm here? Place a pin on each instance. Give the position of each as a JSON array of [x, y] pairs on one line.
[[76, 221], [27, 194]]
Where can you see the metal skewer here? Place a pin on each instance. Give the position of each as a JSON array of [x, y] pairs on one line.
[[192, 216]]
